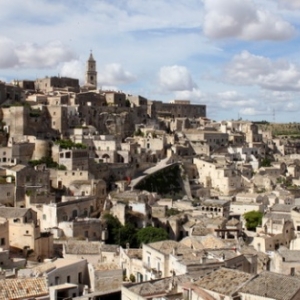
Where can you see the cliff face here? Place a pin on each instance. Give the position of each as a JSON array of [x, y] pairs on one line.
[[118, 121]]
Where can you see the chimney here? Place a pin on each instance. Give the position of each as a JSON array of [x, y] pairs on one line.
[[174, 251], [203, 259]]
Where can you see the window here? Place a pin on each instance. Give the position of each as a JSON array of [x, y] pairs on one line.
[[79, 277], [44, 217], [68, 278], [2, 241]]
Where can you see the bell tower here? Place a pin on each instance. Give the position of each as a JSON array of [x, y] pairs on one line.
[[91, 73]]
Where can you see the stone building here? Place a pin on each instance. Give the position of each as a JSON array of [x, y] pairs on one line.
[[131, 262], [106, 278], [90, 98], [67, 278], [285, 261], [4, 233], [25, 233], [61, 179], [176, 109], [67, 210], [7, 193], [223, 177], [49, 84], [25, 178], [10, 92], [115, 98], [95, 252], [74, 159], [156, 258]]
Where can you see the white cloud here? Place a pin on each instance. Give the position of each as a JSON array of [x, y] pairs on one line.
[[291, 107], [248, 69], [176, 78], [195, 95], [8, 56], [73, 69], [229, 99], [251, 111], [43, 56], [114, 74], [31, 55], [290, 4], [242, 19]]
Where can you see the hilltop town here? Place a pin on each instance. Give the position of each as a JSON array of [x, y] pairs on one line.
[[108, 195]]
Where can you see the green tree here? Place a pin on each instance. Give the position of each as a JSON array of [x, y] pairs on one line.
[[253, 219], [127, 235], [266, 162], [132, 278], [127, 103], [139, 133], [151, 234], [113, 227], [68, 144], [48, 161], [172, 212]]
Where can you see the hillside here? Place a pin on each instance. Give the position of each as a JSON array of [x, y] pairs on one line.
[[280, 128]]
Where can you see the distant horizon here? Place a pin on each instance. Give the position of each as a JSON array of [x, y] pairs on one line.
[[165, 101]]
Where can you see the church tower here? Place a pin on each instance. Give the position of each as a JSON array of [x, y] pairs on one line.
[[91, 73]]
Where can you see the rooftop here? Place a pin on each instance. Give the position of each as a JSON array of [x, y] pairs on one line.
[[166, 247], [134, 253], [282, 207], [21, 288], [157, 287], [224, 281], [272, 285], [13, 212], [82, 247], [289, 255]]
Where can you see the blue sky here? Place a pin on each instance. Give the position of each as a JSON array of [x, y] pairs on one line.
[[239, 57]]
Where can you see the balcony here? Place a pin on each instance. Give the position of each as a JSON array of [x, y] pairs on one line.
[[155, 274]]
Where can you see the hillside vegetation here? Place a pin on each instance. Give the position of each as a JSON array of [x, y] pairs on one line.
[[280, 128]]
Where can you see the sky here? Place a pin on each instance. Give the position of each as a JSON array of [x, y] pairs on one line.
[[239, 57]]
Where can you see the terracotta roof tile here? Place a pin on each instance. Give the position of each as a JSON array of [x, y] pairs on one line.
[[20, 288]]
